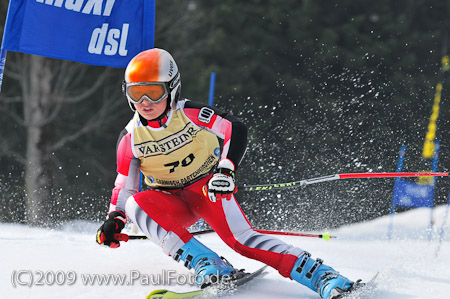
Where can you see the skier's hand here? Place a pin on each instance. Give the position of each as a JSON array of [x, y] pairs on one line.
[[221, 185], [114, 224]]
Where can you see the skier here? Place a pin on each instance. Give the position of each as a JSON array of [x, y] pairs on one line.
[[174, 143]]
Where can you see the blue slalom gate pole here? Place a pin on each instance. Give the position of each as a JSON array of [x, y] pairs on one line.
[[443, 226], [212, 83], [434, 167], [401, 157], [2, 65]]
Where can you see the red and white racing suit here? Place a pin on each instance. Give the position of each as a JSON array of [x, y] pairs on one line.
[[177, 160]]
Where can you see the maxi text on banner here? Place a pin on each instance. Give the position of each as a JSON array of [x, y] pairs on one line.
[[96, 32]]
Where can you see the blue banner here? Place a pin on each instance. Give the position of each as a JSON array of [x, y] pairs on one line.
[[97, 32], [413, 195]]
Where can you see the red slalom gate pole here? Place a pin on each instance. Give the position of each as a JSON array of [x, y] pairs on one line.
[[389, 174], [326, 236], [366, 175]]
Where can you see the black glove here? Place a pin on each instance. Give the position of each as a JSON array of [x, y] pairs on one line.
[[221, 184], [114, 224]]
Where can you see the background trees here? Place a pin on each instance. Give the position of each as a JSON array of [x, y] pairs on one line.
[[325, 87]]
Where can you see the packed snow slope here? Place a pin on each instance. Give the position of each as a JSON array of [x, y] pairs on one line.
[[58, 263]]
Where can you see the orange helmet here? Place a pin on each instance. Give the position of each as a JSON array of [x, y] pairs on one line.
[[152, 75]]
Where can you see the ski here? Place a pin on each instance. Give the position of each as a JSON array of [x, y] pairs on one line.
[[360, 290], [208, 292]]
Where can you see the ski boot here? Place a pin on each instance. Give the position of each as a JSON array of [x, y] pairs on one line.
[[320, 278], [209, 267]]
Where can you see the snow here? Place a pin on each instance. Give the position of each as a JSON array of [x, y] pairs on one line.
[[408, 264]]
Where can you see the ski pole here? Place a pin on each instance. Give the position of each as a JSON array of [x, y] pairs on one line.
[[326, 236], [339, 177]]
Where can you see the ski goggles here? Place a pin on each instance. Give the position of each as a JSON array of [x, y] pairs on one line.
[[154, 92]]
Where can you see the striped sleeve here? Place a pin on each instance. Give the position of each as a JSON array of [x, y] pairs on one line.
[[223, 125], [127, 180]]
